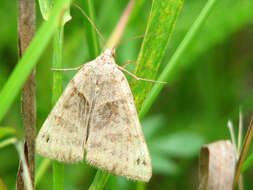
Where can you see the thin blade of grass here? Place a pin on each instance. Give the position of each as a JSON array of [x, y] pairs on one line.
[[245, 149], [6, 131], [173, 66], [7, 142], [247, 163], [136, 10], [99, 181], [46, 7], [58, 168], [163, 16], [91, 35], [30, 58], [41, 170]]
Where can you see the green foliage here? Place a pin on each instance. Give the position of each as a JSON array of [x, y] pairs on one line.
[[6, 131], [173, 66], [99, 180], [2, 185], [30, 58], [182, 144], [91, 35], [163, 16], [247, 163], [194, 108], [46, 7]]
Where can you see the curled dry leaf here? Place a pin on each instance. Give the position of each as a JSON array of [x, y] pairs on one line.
[[217, 166]]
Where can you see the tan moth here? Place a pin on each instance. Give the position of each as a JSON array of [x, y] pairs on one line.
[[96, 113]]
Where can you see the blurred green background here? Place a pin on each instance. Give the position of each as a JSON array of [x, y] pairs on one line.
[[192, 111]]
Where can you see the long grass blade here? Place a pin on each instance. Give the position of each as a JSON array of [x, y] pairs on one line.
[[173, 65]]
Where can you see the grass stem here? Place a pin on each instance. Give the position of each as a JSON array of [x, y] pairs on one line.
[[58, 168]]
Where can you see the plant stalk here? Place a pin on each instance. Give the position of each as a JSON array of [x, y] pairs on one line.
[[26, 30], [58, 168]]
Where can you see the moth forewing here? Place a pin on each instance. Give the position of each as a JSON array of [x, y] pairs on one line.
[[97, 113], [62, 135]]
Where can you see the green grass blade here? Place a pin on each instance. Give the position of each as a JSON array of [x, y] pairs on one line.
[[9, 141], [91, 35], [46, 8], [57, 63], [247, 163], [58, 175], [138, 5], [99, 181], [173, 66], [6, 131], [58, 168], [30, 58], [163, 16], [41, 170]]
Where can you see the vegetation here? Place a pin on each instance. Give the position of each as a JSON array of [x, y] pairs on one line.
[[201, 48]]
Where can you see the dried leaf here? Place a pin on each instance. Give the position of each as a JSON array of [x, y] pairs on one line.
[[217, 166]]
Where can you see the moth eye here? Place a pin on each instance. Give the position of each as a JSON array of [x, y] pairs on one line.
[[47, 139]]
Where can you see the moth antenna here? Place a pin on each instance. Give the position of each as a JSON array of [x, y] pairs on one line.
[[138, 78], [90, 21], [136, 37]]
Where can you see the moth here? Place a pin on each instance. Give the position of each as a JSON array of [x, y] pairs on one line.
[[96, 114]]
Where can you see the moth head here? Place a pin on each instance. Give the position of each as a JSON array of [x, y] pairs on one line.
[[110, 52]]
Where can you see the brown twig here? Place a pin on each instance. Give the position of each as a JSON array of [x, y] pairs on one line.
[[26, 30]]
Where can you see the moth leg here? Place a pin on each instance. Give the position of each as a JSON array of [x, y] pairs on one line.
[[128, 62], [138, 78], [68, 69]]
